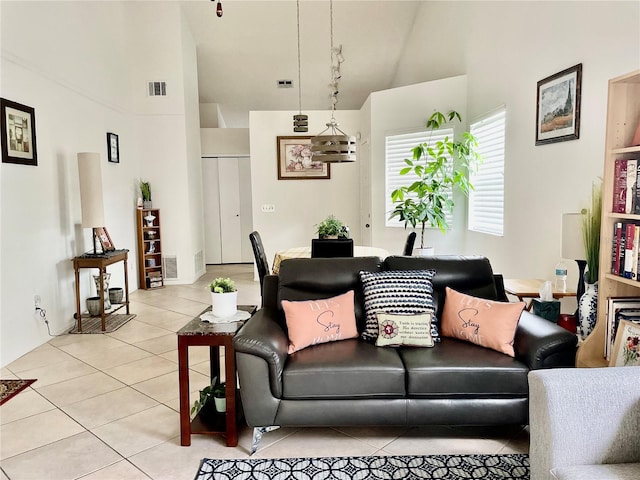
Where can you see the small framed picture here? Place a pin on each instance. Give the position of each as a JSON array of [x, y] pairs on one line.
[[113, 148], [626, 350], [104, 239], [558, 106], [295, 160], [18, 133]]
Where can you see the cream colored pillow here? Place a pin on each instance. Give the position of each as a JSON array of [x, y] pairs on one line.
[[409, 330]]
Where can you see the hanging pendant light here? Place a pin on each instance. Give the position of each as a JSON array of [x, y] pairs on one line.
[[300, 121], [334, 146], [218, 8]]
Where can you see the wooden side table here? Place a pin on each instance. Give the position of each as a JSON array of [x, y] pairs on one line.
[[530, 288], [195, 333], [101, 261]]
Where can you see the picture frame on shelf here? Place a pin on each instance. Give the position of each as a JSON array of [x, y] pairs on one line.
[[104, 239], [113, 148], [558, 106], [626, 350], [18, 123], [295, 160]]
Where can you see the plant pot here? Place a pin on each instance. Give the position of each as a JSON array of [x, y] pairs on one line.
[[221, 404], [93, 306], [116, 294], [146, 204], [208, 412], [424, 252], [224, 304], [329, 237]]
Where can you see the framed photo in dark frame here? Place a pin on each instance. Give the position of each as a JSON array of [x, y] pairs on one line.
[[104, 239], [295, 160], [558, 106], [18, 125], [113, 148]]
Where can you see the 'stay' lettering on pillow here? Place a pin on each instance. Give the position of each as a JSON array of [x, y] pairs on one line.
[[320, 321]]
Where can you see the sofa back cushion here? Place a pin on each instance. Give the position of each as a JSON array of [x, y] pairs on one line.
[[316, 278], [472, 275]]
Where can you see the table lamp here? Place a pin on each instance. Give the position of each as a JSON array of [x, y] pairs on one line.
[[573, 246], [91, 192]]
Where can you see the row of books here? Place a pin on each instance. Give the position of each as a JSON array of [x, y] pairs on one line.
[[618, 309], [626, 186], [625, 248]]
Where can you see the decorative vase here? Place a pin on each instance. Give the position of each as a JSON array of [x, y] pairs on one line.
[[115, 295], [93, 306], [588, 309], [224, 304], [146, 204], [105, 285]]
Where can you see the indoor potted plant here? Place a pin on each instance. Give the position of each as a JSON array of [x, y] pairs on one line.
[[427, 200], [331, 227], [145, 191], [224, 297], [211, 396]]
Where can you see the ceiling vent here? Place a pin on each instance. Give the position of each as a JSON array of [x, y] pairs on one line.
[[285, 83], [157, 89]]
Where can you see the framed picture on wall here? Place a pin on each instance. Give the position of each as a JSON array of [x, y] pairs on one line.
[[558, 106], [104, 239], [626, 350], [18, 133], [113, 148], [295, 161]]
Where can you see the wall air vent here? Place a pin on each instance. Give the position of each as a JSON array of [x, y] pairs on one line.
[[285, 83], [198, 262], [157, 89], [170, 267]]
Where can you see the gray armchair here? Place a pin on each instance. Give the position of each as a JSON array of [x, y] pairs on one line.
[[585, 423]]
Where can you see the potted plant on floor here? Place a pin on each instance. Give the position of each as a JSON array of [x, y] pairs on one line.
[[212, 399], [427, 200], [331, 227], [224, 297]]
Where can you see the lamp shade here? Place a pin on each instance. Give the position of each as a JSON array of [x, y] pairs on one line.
[[90, 189], [572, 244]]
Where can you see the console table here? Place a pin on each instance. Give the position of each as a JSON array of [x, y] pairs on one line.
[[101, 261], [195, 333]]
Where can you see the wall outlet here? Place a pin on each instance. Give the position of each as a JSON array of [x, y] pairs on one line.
[[268, 207]]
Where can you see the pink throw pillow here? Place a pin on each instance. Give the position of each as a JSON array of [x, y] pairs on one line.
[[320, 321], [483, 322]]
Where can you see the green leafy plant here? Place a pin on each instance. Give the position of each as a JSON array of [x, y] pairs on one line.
[[222, 285], [591, 221], [215, 390], [426, 201], [331, 226], [145, 190]]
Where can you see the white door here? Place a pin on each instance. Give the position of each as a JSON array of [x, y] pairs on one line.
[[230, 227]]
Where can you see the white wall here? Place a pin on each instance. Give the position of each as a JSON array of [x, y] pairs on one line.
[[218, 142], [300, 204], [507, 48]]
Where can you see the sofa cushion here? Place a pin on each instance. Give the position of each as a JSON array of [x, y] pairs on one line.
[[319, 321], [397, 292], [409, 330], [615, 471], [454, 368], [341, 370], [480, 321]]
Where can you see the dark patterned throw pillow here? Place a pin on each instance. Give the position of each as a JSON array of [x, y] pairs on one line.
[[400, 292]]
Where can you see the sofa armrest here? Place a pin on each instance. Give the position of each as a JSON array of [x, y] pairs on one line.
[[262, 336], [542, 344], [583, 417]]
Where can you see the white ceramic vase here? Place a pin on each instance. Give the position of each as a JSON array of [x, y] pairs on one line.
[[224, 304], [588, 309]]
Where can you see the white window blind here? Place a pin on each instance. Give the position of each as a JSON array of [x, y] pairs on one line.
[[397, 148], [486, 200]]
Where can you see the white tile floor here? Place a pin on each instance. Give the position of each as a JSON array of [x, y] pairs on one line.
[[106, 406]]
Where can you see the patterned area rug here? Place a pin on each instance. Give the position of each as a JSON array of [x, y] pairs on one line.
[[444, 467], [10, 388], [94, 324]]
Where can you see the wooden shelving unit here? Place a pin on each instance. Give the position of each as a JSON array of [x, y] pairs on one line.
[[623, 115], [150, 272]]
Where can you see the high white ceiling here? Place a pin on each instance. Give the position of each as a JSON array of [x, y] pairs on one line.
[[242, 55]]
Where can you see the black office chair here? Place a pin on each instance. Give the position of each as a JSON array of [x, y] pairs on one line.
[[261, 257], [408, 246], [331, 247]]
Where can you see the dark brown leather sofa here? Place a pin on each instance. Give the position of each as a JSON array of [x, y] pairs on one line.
[[353, 382]]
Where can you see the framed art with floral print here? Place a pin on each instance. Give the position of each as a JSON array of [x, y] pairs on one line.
[[558, 106], [295, 160], [626, 350], [18, 133]]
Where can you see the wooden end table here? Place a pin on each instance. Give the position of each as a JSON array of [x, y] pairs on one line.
[[199, 333], [530, 288]]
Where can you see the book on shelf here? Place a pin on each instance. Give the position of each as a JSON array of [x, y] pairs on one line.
[[619, 185], [629, 245], [619, 308], [630, 195], [615, 248]]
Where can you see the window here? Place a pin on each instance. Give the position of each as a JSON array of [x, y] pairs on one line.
[[397, 148], [486, 200]]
